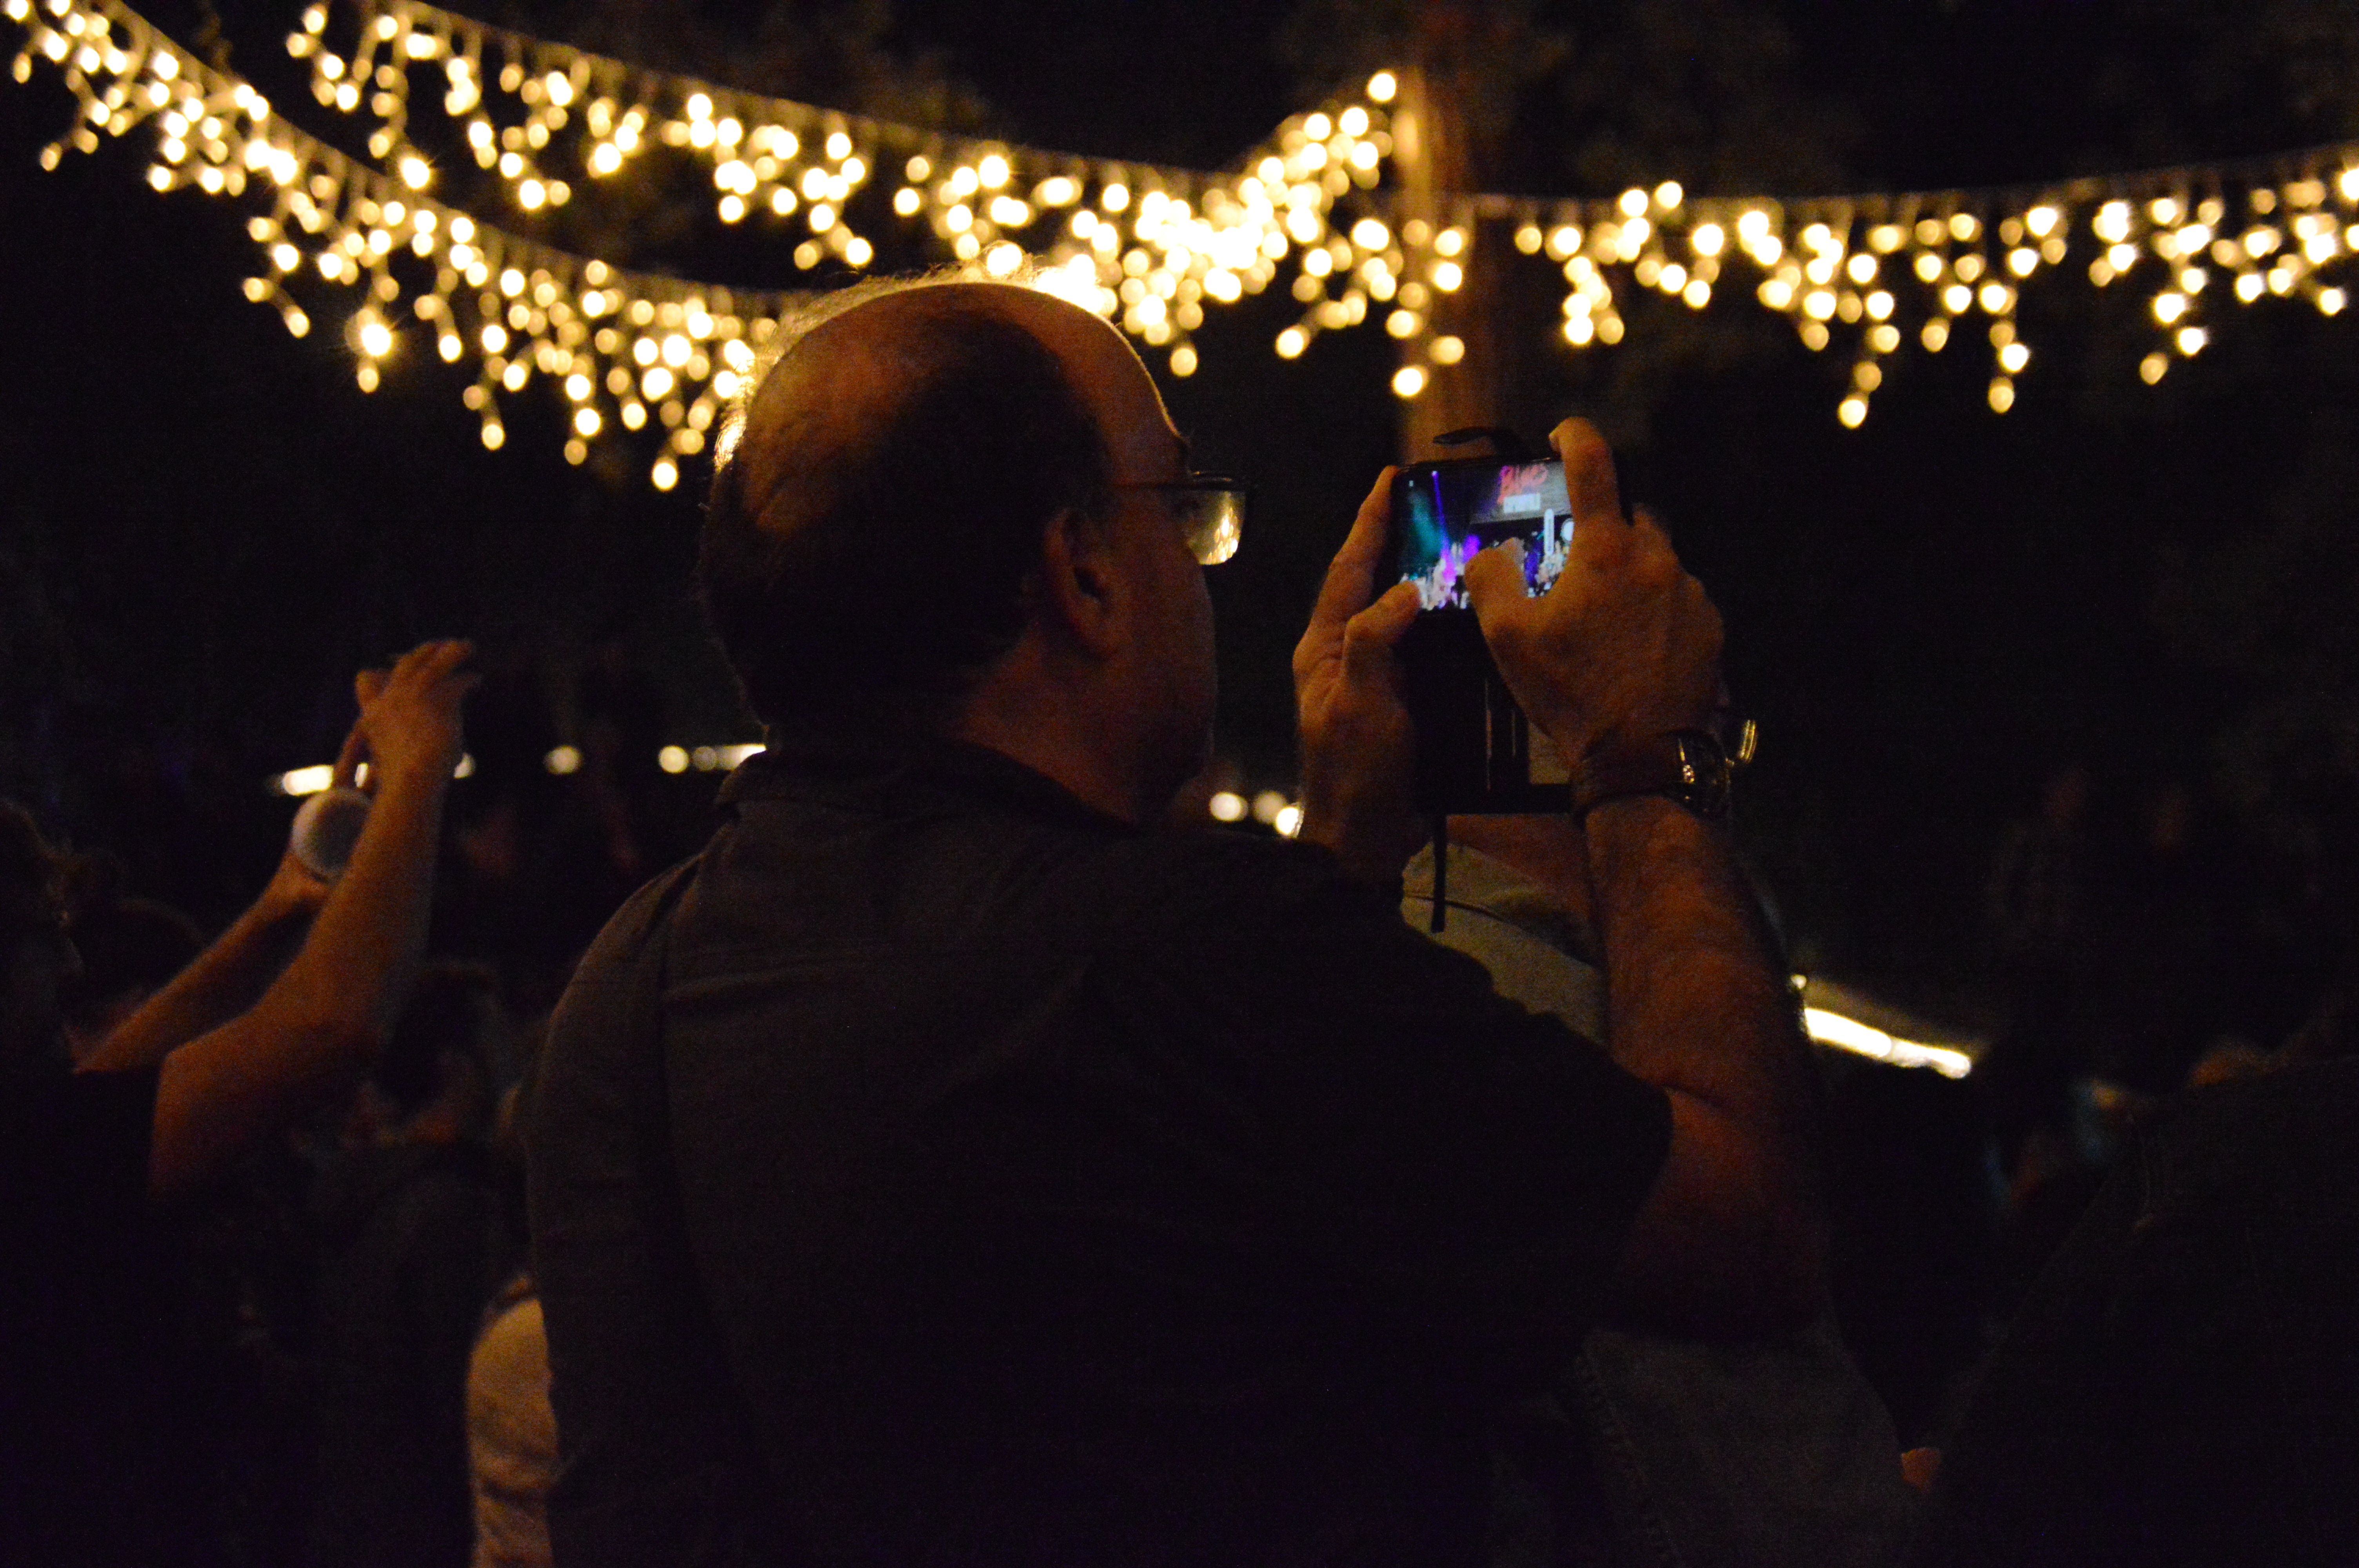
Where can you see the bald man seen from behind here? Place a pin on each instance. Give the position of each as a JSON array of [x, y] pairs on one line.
[[948, 1166]]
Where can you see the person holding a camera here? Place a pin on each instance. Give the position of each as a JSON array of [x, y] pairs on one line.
[[946, 1167]]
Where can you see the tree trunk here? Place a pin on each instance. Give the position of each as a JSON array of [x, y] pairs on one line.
[[1440, 162]]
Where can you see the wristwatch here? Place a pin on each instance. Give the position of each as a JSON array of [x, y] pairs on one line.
[[1690, 768]]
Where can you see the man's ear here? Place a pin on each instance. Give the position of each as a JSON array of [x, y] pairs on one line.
[[1080, 586]]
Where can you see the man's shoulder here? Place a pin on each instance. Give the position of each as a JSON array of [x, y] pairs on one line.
[[1234, 876], [604, 1017], [623, 941]]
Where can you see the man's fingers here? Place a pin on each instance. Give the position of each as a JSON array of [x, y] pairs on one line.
[[1495, 581], [451, 655], [431, 661], [348, 760], [1351, 575], [1370, 635], [1588, 477]]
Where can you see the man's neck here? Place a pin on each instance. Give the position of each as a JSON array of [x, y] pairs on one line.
[[1047, 731]]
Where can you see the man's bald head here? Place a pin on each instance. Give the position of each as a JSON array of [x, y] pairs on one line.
[[867, 541]]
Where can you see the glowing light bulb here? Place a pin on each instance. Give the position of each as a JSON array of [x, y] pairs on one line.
[[1409, 381], [1382, 86]]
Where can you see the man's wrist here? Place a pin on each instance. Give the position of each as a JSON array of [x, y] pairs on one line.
[[1635, 843], [1625, 815], [1689, 767], [410, 776]]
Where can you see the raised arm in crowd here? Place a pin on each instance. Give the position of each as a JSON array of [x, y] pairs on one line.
[[241, 1055]]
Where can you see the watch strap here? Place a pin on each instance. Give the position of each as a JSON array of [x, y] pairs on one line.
[[1688, 767]]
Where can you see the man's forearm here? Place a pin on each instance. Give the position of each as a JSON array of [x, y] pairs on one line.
[[317, 1028], [1697, 1000], [225, 979], [370, 937], [1697, 1005]]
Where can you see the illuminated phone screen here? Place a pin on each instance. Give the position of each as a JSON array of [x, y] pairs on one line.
[[1443, 514]]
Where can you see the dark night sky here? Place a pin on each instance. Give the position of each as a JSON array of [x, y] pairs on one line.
[[206, 525]]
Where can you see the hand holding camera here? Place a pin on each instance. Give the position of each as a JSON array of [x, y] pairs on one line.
[[1625, 647], [1357, 741]]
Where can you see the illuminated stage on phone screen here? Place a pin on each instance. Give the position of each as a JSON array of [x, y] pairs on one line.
[[1454, 512]]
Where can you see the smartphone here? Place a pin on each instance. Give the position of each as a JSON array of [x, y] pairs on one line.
[[1476, 752]]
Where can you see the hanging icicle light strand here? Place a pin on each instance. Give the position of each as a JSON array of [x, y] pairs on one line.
[[1148, 247]]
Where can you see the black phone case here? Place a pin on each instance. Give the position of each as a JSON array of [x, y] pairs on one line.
[[1476, 752]]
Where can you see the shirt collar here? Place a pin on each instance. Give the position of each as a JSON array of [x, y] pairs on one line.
[[794, 759]]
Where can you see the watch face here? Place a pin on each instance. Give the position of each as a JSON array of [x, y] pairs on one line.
[[1703, 774]]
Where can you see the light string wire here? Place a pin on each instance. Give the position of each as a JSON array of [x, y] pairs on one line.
[[1145, 245]]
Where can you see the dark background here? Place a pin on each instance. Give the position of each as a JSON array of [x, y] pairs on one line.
[[205, 526]]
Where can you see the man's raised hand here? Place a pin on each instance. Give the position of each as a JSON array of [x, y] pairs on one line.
[[410, 719], [1358, 749], [1625, 647]]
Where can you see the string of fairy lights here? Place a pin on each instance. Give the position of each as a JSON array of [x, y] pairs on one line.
[[1148, 247]]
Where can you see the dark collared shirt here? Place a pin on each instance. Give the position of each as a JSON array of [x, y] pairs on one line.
[[937, 1171]]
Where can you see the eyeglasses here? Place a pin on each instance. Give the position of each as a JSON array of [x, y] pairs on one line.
[[1211, 511]]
